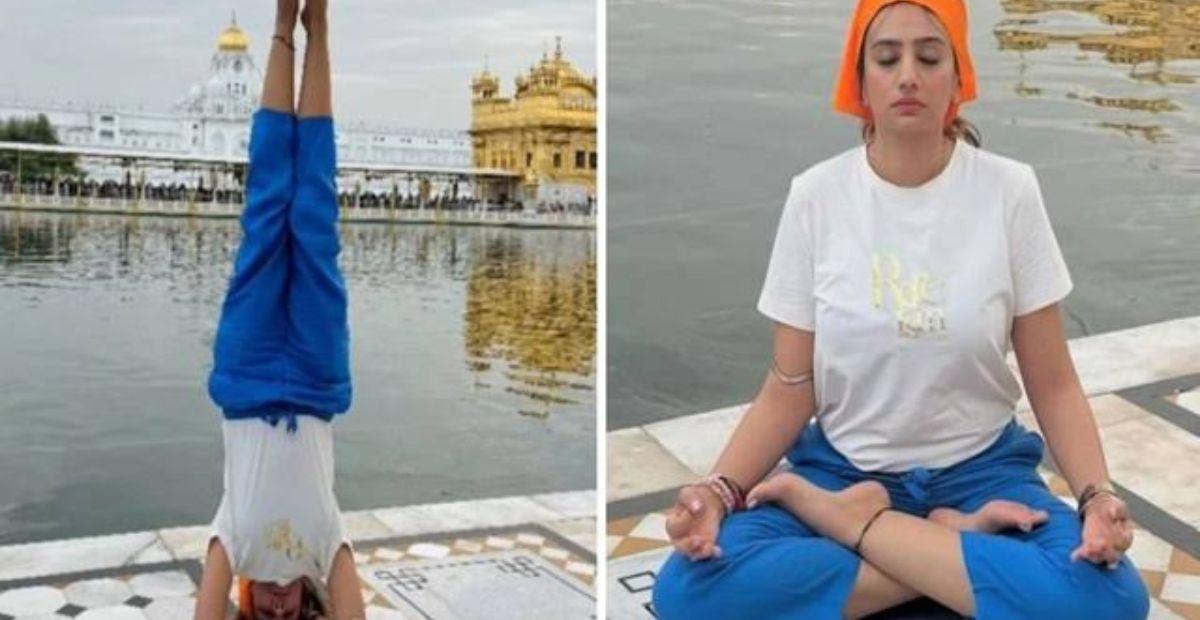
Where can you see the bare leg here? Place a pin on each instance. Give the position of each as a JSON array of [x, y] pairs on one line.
[[317, 307], [874, 591], [248, 350], [904, 555], [920, 554], [278, 85], [316, 97]]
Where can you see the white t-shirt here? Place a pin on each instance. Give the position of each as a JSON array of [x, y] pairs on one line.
[[279, 519], [911, 294]]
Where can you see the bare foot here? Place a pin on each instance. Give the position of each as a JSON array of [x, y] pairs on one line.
[[839, 515], [285, 16], [314, 16], [995, 516]]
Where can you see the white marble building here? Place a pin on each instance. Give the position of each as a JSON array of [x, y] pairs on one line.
[[213, 119]]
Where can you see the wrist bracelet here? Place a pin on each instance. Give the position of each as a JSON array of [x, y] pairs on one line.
[[723, 492], [1089, 493], [739, 495], [1091, 490], [1092, 498]]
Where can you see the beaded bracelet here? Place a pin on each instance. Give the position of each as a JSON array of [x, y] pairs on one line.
[[739, 495], [727, 497], [732, 496]]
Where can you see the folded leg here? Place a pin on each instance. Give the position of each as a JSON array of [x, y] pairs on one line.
[[1032, 576], [772, 566]]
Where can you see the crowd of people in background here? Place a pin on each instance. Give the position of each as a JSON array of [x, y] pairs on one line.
[[72, 188]]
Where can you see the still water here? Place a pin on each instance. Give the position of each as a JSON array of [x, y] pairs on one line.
[[473, 358], [713, 105]]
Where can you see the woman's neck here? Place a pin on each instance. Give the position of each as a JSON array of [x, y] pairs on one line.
[[909, 161]]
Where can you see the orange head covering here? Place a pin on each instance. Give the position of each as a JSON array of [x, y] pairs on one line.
[[952, 13], [245, 597]]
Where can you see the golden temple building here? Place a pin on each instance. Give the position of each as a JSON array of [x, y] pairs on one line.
[[546, 132], [233, 39]]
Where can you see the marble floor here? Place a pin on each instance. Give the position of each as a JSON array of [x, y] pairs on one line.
[[432, 562], [1144, 388]]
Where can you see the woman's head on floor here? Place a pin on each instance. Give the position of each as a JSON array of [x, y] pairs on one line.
[[298, 599], [907, 69]]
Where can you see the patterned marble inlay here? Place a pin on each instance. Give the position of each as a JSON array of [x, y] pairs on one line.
[[167, 591], [1188, 399], [129, 593]]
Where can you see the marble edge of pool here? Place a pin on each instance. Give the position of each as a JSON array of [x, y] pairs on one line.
[[356, 215], [1148, 451], [570, 513]]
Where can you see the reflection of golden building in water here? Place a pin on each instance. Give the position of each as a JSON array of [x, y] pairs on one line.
[[533, 320], [1151, 33], [1158, 30], [546, 132]]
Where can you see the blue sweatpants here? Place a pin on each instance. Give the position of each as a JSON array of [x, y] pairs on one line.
[[283, 343], [774, 566]]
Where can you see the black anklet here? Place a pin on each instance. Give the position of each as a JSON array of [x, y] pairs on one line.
[[284, 41], [858, 545]]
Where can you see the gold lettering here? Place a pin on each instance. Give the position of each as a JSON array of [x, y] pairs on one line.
[[891, 279], [916, 304]]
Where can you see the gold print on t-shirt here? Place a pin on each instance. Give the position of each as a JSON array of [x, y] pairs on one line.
[[280, 538], [917, 303]]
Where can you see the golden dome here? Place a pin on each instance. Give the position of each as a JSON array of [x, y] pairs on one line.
[[233, 39]]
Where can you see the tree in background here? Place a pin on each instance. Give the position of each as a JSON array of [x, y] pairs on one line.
[[41, 166]]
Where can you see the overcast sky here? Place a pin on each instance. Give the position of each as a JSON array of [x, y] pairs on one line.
[[406, 62]]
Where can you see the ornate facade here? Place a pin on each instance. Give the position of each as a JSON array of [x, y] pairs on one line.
[[213, 119], [546, 132]]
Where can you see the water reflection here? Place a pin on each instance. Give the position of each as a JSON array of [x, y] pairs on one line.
[[107, 340], [538, 318], [1151, 30], [528, 327], [1156, 40]]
